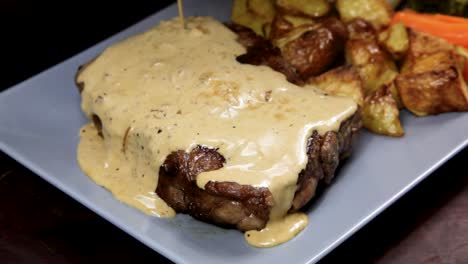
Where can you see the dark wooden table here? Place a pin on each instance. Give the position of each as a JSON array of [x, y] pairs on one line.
[[40, 224]]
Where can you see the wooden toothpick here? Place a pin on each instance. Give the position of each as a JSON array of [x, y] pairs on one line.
[[181, 13]]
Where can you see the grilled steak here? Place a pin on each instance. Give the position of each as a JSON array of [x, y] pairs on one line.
[[243, 206], [246, 207]]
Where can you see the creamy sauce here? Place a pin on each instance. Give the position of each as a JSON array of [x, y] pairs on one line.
[[109, 169], [171, 89], [278, 232]]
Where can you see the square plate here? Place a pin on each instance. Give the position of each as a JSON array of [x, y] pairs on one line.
[[39, 123]]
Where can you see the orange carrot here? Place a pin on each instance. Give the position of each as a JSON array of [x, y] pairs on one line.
[[453, 29], [440, 17], [450, 19]]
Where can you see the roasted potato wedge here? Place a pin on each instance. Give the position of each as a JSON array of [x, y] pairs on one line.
[[431, 80], [395, 40], [380, 113], [433, 92], [294, 33], [374, 65], [244, 14], [461, 51], [278, 27], [421, 43], [360, 29], [433, 84], [313, 49], [395, 93], [299, 20], [341, 81], [264, 9], [283, 24], [377, 12], [311, 8]]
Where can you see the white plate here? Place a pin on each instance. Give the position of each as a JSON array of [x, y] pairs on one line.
[[39, 123]]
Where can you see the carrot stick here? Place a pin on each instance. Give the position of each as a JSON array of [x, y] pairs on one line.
[[450, 19], [453, 29], [440, 17]]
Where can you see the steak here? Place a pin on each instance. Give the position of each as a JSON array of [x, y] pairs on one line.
[[246, 207]]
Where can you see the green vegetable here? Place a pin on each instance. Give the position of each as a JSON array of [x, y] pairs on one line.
[[450, 7]]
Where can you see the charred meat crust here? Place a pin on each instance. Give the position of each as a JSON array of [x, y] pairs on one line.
[[81, 68], [79, 85], [222, 203], [324, 154], [247, 37], [242, 206]]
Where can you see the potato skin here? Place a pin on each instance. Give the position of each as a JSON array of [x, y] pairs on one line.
[[374, 65], [261, 52], [243, 13], [431, 80], [360, 29], [377, 12], [395, 40], [309, 8], [421, 43], [380, 113], [341, 81], [316, 50], [279, 27], [433, 92], [388, 67], [263, 9]]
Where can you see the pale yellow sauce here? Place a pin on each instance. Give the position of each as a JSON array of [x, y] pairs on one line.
[[172, 89], [278, 232], [109, 169]]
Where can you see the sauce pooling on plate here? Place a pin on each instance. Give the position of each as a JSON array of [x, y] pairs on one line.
[[173, 88]]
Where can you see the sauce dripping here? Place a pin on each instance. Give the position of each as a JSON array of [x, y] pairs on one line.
[[277, 232]]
